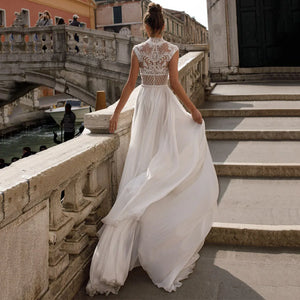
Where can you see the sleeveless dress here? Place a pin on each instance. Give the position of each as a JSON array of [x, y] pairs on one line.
[[168, 190]]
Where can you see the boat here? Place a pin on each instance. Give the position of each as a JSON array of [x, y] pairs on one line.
[[78, 108]]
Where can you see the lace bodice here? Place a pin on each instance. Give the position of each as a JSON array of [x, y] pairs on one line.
[[154, 56]]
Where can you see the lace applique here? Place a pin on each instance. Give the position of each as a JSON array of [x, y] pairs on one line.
[[154, 56]]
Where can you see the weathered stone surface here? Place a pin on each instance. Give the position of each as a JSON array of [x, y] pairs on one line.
[[72, 278], [24, 255], [1, 207], [254, 128], [258, 108], [224, 272], [258, 201], [49, 169], [254, 235], [15, 200]]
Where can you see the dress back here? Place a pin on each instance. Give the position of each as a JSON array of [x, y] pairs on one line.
[[154, 56]]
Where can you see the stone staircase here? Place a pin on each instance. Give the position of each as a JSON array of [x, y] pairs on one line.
[[252, 251], [255, 145]]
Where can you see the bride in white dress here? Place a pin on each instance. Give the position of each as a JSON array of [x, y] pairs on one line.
[[169, 188]]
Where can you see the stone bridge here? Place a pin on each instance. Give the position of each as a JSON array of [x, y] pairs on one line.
[[75, 61]]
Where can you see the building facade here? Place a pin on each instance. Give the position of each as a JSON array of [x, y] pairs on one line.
[[125, 17], [253, 37], [32, 9]]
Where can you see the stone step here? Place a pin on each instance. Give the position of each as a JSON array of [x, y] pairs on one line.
[[224, 272], [253, 128], [257, 212], [256, 91], [256, 158], [251, 109]]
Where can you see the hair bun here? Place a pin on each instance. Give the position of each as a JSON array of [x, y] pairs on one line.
[[154, 8]]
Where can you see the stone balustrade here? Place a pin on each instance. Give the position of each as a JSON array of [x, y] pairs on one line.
[[66, 39], [51, 203]]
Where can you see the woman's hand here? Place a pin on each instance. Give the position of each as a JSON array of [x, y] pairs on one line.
[[196, 115], [113, 122]]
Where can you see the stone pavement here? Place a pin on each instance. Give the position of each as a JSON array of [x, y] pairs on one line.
[[224, 273]]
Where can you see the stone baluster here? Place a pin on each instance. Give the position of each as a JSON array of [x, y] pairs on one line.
[[29, 45], [110, 49], [78, 208], [59, 227], [91, 45], [1, 42], [103, 49], [98, 191], [98, 48], [6, 45], [37, 38], [71, 43], [47, 42]]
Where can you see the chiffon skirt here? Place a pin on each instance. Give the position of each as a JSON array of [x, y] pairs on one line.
[[166, 198]]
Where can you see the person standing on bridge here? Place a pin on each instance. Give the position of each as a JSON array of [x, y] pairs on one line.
[[169, 188], [76, 23], [68, 123], [45, 19]]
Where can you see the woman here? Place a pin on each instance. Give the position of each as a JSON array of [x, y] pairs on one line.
[[45, 19], [168, 188]]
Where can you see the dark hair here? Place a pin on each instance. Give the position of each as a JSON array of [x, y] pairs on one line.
[[43, 147], [27, 149], [154, 18], [47, 13], [61, 21]]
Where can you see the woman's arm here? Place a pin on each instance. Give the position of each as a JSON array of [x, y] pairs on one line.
[[179, 90], [127, 90]]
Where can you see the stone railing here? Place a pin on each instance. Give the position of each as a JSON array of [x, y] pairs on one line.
[[68, 40], [51, 203]]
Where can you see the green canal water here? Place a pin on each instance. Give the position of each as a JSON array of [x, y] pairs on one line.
[[34, 137]]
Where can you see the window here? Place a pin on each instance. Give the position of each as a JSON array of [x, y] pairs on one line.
[[117, 14], [168, 27], [177, 29], [2, 18]]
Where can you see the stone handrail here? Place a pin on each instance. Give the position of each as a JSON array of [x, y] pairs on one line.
[[51, 203]]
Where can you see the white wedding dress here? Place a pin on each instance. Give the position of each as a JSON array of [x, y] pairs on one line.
[[168, 189]]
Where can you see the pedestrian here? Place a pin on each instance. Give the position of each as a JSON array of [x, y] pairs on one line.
[[27, 152], [68, 123], [43, 147], [3, 164], [76, 23], [45, 19], [13, 159], [61, 21]]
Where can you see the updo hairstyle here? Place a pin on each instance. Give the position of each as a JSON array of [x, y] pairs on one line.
[[154, 18]]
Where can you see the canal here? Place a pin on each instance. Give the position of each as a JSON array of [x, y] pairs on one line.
[[12, 146]]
